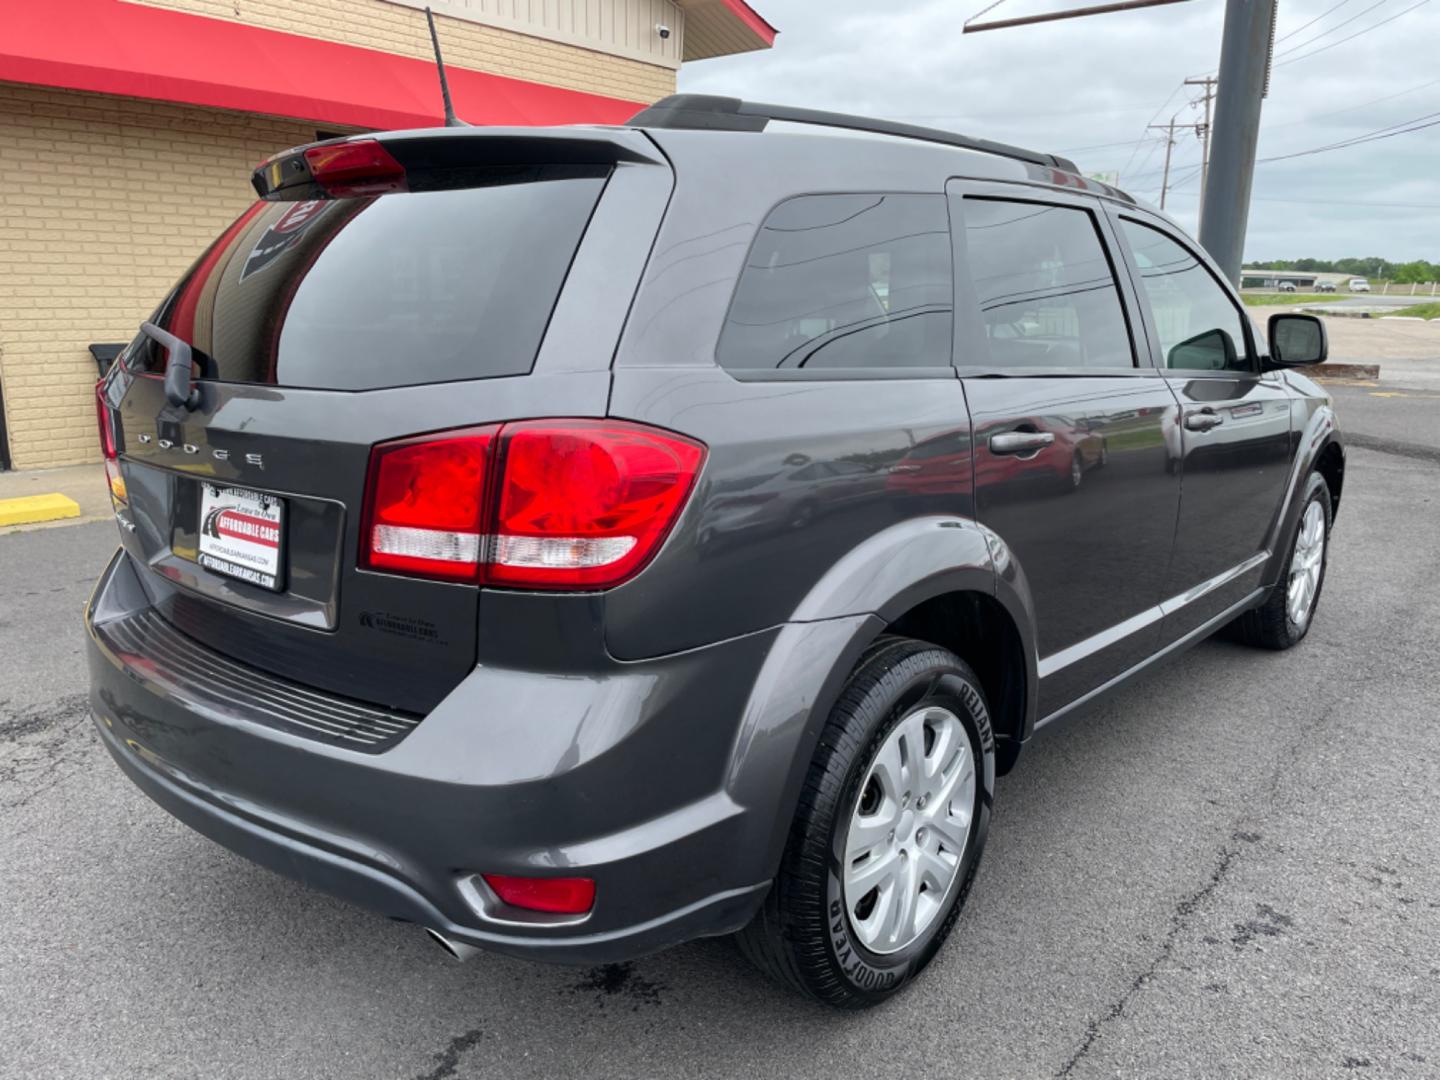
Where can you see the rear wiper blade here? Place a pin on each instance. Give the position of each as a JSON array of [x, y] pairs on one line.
[[179, 368]]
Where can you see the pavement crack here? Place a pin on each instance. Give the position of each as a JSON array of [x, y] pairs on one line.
[[1179, 919], [447, 1061], [38, 747]]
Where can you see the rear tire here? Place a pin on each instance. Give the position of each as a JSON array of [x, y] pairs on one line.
[[817, 932], [1280, 622]]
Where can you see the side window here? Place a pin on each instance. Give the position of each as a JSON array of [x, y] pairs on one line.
[[1198, 327], [845, 281], [1045, 286]]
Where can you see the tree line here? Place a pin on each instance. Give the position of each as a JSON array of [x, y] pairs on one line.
[[1418, 271]]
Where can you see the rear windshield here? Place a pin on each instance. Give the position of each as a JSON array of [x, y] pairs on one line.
[[392, 290]]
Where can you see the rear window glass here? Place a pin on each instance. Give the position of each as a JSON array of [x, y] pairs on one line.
[[845, 281], [392, 290]]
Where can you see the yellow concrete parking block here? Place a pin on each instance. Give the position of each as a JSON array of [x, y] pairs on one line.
[[28, 509]]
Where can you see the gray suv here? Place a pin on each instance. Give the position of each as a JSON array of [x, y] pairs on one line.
[[577, 541]]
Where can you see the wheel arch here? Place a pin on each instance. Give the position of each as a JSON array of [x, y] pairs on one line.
[[1319, 449], [944, 580]]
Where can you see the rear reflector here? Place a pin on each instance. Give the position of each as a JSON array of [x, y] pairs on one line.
[[556, 896], [355, 168], [552, 504]]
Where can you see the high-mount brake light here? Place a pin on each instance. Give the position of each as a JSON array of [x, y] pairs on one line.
[[542, 504], [363, 167]]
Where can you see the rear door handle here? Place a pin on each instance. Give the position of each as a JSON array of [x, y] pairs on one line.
[[1203, 420], [1020, 442]]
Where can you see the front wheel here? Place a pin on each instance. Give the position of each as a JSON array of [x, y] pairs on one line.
[[888, 834], [1289, 608]]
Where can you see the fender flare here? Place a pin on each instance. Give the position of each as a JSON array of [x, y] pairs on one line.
[[1321, 431], [816, 650]]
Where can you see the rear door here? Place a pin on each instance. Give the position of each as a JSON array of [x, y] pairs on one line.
[[326, 325], [1234, 432], [1071, 467]]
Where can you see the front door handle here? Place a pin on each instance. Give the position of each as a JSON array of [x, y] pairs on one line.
[[1020, 442], [1203, 420]]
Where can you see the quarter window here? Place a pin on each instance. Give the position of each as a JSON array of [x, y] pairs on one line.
[[1198, 326], [845, 281], [1045, 287]]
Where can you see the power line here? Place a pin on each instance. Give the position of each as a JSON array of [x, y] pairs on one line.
[[1352, 37], [1402, 128], [1352, 202], [1353, 108], [1312, 22], [1139, 142], [1097, 146], [1337, 26]]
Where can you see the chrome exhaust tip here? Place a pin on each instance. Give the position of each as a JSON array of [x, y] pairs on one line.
[[457, 949]]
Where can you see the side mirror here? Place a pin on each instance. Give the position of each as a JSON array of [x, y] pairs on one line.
[[1297, 339]]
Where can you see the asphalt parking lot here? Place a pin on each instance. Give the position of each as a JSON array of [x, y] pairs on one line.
[[1232, 868]]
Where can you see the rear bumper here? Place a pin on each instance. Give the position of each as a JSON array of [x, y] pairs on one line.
[[618, 773]]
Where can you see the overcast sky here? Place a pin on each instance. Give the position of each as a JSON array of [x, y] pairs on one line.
[[1077, 86]]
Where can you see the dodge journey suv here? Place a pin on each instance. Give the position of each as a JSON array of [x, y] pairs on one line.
[[577, 541]]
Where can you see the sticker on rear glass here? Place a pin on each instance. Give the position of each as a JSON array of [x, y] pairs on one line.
[[283, 235], [241, 533]]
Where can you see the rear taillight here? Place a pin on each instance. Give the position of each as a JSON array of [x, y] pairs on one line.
[[363, 167], [584, 504], [426, 509], [109, 447], [107, 423], [546, 504]]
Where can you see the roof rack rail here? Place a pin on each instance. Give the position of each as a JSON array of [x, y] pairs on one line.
[[710, 112]]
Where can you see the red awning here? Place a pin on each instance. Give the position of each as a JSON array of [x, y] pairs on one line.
[[112, 47]]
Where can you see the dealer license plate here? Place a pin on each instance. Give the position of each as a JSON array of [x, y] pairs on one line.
[[242, 534]]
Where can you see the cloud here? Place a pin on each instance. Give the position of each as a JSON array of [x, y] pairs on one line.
[[1087, 88]]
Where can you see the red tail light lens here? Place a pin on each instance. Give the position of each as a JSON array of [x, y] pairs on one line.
[[577, 504], [585, 504], [355, 168], [556, 896], [426, 507], [109, 447], [107, 423]]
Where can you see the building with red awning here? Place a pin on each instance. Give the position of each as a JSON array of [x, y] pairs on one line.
[[129, 130]]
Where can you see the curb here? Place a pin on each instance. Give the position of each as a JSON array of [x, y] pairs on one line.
[[29, 509], [1328, 370]]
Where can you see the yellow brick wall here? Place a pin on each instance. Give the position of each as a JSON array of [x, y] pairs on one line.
[[374, 24], [106, 201]]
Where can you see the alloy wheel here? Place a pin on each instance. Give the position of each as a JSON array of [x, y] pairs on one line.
[[1306, 565]]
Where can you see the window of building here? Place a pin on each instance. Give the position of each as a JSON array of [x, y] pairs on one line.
[[1045, 287], [1199, 328], [845, 281]]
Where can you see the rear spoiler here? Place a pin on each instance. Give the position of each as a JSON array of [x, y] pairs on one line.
[[444, 158]]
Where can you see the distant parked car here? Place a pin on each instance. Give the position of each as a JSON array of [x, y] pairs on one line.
[[1287, 286], [1324, 286], [1358, 284]]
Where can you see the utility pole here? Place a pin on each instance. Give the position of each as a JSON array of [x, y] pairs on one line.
[[1169, 130], [1209, 83], [1249, 40]]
